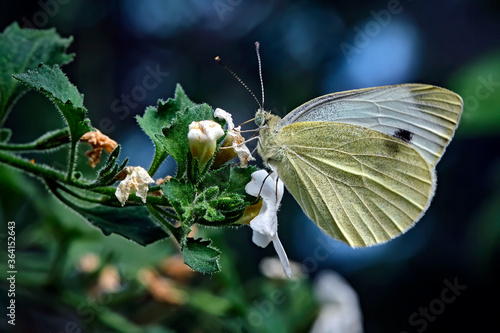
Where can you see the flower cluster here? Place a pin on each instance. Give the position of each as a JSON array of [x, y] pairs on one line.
[[202, 138]]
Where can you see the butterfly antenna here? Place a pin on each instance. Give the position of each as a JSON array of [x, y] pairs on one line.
[[257, 45], [219, 61], [246, 122]]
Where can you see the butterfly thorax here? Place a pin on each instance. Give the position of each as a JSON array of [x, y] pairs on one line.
[[269, 149]]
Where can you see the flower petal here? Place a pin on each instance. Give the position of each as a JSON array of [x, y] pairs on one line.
[[221, 114], [282, 255], [260, 239], [137, 179]]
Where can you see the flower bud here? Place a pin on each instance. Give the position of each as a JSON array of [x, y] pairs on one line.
[[202, 138]]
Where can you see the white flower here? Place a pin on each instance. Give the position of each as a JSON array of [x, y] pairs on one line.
[[234, 138], [221, 114], [265, 225], [340, 309], [137, 179], [271, 267], [202, 138]]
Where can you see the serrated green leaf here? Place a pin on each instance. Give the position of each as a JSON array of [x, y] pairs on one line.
[[54, 84], [22, 50], [211, 193], [220, 177], [200, 256], [156, 118], [181, 196]]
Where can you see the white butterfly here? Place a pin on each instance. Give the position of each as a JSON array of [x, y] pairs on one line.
[[361, 163]]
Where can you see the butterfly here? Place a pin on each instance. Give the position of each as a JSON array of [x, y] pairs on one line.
[[361, 163]]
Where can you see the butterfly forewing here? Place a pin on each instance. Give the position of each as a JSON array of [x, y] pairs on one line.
[[358, 185], [424, 116]]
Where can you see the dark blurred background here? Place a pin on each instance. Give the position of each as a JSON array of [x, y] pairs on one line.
[[308, 48]]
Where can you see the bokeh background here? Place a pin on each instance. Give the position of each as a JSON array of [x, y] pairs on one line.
[[308, 48]]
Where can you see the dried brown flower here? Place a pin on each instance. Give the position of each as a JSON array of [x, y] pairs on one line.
[[98, 142]]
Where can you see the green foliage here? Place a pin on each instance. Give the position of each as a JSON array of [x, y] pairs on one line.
[[22, 50], [200, 256], [132, 222], [196, 195], [54, 84], [168, 125], [479, 85], [106, 175]]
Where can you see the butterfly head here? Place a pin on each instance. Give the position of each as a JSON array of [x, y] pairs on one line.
[[265, 119]]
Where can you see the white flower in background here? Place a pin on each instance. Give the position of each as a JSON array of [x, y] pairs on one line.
[[137, 179], [202, 138], [265, 224], [234, 138], [271, 268], [340, 310]]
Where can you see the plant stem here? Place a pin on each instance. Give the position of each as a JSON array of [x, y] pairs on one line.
[[174, 231], [71, 164], [48, 173], [33, 168], [50, 140]]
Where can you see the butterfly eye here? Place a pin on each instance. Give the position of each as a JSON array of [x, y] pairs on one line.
[[260, 119]]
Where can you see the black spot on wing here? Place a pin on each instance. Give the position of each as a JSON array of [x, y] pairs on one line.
[[403, 134]]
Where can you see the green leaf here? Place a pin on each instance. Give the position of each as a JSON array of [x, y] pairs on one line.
[[239, 178], [52, 82], [214, 209], [22, 50], [132, 222], [219, 177], [168, 125], [157, 118], [181, 196], [200, 256]]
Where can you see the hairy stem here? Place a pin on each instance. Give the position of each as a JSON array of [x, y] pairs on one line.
[[50, 140]]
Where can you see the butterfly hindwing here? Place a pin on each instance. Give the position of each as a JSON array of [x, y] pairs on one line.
[[358, 185]]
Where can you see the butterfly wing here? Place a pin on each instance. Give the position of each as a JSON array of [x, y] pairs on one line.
[[358, 185], [425, 116]]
